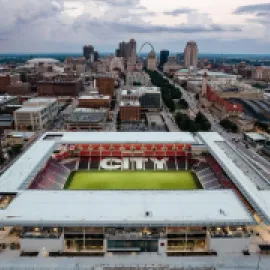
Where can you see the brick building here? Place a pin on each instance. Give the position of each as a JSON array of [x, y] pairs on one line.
[[98, 101], [221, 107], [19, 89], [106, 86], [4, 82], [59, 87], [130, 111]]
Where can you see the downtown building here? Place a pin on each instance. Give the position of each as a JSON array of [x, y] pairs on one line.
[[163, 58], [36, 114], [60, 86], [191, 54]]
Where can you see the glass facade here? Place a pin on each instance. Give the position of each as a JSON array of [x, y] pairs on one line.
[[133, 245], [151, 101]]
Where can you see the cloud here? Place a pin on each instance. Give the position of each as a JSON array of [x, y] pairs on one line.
[[24, 12], [253, 9], [260, 13], [179, 11], [117, 3], [146, 28], [65, 25]]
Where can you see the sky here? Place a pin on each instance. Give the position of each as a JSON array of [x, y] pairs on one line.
[[231, 26]]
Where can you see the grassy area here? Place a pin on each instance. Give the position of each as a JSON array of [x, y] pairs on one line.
[[132, 180]]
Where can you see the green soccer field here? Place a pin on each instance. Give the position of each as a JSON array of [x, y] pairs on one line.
[[132, 180]]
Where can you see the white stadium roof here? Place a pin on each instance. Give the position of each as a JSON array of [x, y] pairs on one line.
[[129, 137], [258, 199], [94, 208], [90, 207], [42, 60]]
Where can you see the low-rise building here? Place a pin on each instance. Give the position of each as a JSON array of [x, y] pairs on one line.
[[87, 119], [256, 138], [19, 89], [8, 79], [60, 86], [261, 73], [6, 100], [130, 111], [171, 66], [36, 114], [221, 107], [244, 125], [106, 85], [6, 122], [15, 138], [138, 78], [95, 101], [149, 97]]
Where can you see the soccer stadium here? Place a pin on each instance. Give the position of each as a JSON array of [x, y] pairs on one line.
[[173, 194]]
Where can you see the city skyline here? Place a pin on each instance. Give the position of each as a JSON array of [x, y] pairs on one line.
[[66, 25]]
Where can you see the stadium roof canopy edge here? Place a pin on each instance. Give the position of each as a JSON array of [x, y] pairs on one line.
[[127, 208]]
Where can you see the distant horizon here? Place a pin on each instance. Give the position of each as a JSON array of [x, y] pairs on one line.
[[112, 53]]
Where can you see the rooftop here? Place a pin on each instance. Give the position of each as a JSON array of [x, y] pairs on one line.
[[19, 134], [140, 90], [43, 60], [95, 97], [31, 109], [226, 156], [88, 115], [41, 100], [92, 208], [256, 136], [129, 103], [89, 110]]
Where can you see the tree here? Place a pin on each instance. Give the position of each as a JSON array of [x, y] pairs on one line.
[[182, 104], [137, 84], [229, 125], [202, 122], [17, 149], [2, 160]]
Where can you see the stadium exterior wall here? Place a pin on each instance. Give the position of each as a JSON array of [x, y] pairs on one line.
[[36, 245], [228, 245]]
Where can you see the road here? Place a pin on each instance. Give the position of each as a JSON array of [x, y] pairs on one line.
[[254, 157], [171, 125]]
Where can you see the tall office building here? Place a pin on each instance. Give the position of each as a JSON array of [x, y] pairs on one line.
[[127, 49], [151, 61], [96, 56], [88, 52], [164, 54], [179, 58], [191, 54]]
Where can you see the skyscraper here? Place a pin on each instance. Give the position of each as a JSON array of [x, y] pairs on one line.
[[127, 49], [88, 52], [191, 54], [96, 56], [151, 61], [164, 54], [179, 58]]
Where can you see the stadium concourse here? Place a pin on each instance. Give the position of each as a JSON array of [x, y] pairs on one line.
[[169, 194]]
